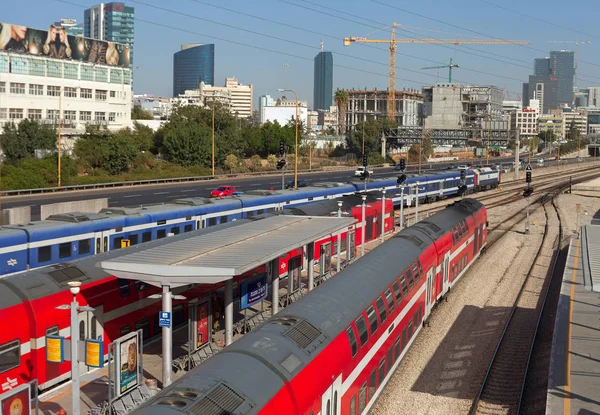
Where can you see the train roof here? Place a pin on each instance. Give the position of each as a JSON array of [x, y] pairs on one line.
[[52, 279], [326, 207], [11, 237], [596, 218], [73, 223]]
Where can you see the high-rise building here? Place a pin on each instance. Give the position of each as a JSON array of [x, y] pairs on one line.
[[563, 69], [193, 64], [323, 82], [71, 26], [112, 22], [542, 67], [264, 101], [544, 89]]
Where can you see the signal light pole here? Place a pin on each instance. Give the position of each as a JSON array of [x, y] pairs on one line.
[[363, 227]]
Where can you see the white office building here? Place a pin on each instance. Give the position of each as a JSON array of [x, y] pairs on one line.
[[74, 92], [284, 111], [234, 96]]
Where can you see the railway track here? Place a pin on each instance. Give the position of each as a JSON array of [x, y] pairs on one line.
[[502, 389]]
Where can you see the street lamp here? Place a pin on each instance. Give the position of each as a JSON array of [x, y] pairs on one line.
[[296, 161], [75, 308], [213, 134]]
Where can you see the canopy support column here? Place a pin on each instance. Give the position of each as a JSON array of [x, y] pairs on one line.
[[228, 312], [275, 285], [311, 266]]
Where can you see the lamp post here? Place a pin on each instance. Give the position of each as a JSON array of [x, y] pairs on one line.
[[58, 143], [340, 203], [296, 160], [383, 216], [75, 309], [213, 134]]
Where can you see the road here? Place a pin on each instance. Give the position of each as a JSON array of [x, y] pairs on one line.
[[165, 193]]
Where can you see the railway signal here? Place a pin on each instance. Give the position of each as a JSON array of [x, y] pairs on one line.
[[281, 148], [365, 159], [528, 191], [364, 175], [401, 178], [281, 164], [402, 164]]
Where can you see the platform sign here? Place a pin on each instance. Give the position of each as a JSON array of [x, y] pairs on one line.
[[55, 349], [17, 401], [94, 353], [164, 319], [128, 362], [253, 290]]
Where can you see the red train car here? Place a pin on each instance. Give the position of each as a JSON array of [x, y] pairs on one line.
[[334, 350]]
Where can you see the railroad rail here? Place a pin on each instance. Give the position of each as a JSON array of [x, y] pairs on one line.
[[504, 382]]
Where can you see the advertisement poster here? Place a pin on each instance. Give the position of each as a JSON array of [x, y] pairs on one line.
[[55, 349], [94, 353], [17, 404], [202, 319], [56, 43], [253, 291], [129, 364]]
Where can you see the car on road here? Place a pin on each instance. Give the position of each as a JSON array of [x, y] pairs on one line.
[[223, 191], [463, 167], [452, 166], [360, 170], [301, 183]]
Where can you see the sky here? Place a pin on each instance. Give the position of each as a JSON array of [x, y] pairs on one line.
[[254, 39]]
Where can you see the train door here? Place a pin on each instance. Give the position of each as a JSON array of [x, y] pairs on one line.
[[325, 262], [331, 401], [351, 250], [102, 241], [368, 229], [446, 271], [90, 327], [476, 242], [480, 236], [429, 295]]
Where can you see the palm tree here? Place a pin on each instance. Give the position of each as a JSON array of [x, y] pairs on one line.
[[341, 100]]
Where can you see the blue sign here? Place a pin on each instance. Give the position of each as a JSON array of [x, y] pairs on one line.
[[164, 319], [253, 291]]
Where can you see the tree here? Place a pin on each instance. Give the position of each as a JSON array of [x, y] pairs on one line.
[[373, 130], [255, 164], [292, 124], [22, 140], [573, 133], [272, 161], [232, 162], [341, 100], [113, 153], [139, 113]]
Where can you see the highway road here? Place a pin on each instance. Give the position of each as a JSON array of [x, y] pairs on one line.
[[165, 193]]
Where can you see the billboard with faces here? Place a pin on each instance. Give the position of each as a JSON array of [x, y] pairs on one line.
[[56, 43]]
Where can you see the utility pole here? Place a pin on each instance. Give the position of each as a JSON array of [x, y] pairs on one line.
[[213, 136], [59, 128], [517, 145]]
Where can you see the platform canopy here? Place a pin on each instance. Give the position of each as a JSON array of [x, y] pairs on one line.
[[209, 258], [590, 255]]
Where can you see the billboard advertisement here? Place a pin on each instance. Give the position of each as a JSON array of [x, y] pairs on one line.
[[16, 402], [128, 363], [202, 325], [253, 291], [56, 43]]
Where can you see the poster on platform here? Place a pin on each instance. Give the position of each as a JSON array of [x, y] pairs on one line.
[[253, 290], [202, 324], [17, 401], [128, 364]]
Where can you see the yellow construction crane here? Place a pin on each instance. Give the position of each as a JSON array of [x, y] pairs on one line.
[[393, 41]]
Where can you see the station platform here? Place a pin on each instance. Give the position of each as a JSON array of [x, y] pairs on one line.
[[587, 188], [94, 384], [574, 375]]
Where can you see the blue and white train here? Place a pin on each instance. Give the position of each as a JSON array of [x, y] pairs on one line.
[[66, 237]]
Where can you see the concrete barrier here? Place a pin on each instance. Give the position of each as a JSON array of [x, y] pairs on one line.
[[15, 215], [90, 205]]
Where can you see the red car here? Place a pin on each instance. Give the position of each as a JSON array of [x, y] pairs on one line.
[[222, 191]]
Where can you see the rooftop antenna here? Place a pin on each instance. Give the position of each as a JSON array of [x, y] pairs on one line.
[[321, 45]]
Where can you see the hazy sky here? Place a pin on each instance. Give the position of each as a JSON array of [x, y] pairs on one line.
[[255, 38]]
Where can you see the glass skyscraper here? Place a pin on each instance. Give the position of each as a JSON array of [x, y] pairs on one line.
[[542, 67], [112, 22], [193, 64], [563, 68], [323, 87]]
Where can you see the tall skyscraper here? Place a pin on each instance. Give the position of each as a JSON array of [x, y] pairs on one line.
[[542, 67], [193, 64], [323, 87], [112, 22], [563, 69], [544, 89]]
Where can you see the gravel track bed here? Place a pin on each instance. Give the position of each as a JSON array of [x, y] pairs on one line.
[[443, 370], [502, 390]]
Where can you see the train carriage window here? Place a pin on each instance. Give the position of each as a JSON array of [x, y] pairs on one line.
[[81, 330], [126, 329], [410, 328], [44, 253], [404, 286], [133, 239], [117, 242], [456, 235], [362, 398], [146, 236], [64, 250], [223, 219], [363, 333], [372, 319], [372, 383], [123, 287], [84, 247], [381, 308], [397, 292], [453, 238], [410, 278], [415, 271], [188, 228], [397, 348], [144, 325], [161, 233], [352, 340], [390, 300], [404, 338], [52, 331], [175, 230], [466, 226], [93, 324], [10, 355], [420, 267], [212, 221], [353, 405], [390, 359], [381, 371]]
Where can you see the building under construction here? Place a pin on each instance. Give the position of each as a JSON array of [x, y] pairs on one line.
[[370, 103]]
